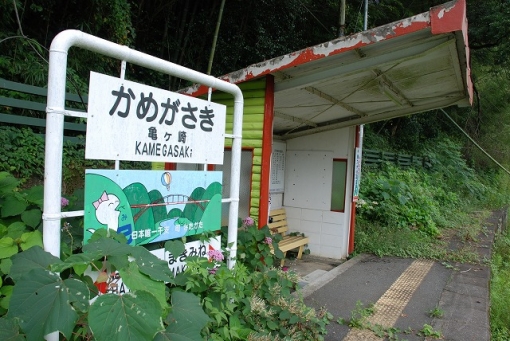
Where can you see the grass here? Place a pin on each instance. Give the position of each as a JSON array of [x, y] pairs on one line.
[[500, 288], [456, 243]]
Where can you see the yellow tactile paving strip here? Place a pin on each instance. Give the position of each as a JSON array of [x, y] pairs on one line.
[[391, 304]]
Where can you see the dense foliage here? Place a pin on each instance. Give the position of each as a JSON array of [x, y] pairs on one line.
[[407, 211], [40, 293]]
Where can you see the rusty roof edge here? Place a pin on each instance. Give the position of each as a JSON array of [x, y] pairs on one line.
[[333, 47], [451, 17]]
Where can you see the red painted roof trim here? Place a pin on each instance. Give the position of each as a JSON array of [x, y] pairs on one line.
[[451, 17], [441, 19]]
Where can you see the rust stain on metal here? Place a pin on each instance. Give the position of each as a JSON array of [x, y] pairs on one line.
[[340, 45]]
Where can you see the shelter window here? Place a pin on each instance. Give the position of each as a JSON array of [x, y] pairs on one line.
[[338, 185]]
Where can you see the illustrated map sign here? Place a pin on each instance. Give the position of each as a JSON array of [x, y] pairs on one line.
[[151, 206], [136, 122]]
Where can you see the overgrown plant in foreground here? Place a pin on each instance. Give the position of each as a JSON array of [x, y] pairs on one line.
[[40, 293]]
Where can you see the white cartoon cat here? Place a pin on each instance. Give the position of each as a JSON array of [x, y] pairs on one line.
[[106, 210]]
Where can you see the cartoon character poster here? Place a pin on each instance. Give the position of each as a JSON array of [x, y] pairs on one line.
[[151, 206]]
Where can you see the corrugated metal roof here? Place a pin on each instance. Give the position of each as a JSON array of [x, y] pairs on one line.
[[405, 67]]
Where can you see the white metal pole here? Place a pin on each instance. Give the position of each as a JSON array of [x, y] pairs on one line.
[[365, 19]]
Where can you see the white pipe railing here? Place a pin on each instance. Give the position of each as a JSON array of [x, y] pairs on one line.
[[55, 125]]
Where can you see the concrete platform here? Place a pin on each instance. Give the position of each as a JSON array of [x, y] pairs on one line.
[[403, 292]]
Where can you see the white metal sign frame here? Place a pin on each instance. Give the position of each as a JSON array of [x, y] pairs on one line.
[[56, 111]]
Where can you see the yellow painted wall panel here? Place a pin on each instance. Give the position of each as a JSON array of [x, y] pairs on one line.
[[257, 160], [247, 110], [253, 125], [247, 118]]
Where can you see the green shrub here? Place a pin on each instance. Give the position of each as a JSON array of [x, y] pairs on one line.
[[40, 293]]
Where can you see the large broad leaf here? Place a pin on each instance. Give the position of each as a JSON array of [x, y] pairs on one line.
[[107, 247], [41, 301], [32, 217], [78, 259], [175, 247], [186, 319], [12, 206], [135, 280], [30, 239], [6, 291], [132, 316], [16, 229], [33, 258], [35, 195], [8, 247], [151, 265], [5, 266], [7, 183], [9, 330]]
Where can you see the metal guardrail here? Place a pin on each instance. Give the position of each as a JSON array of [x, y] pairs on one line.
[[376, 157], [14, 111]]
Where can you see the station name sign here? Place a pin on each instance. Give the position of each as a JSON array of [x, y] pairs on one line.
[[135, 122]]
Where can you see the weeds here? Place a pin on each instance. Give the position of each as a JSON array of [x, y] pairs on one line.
[[428, 331], [436, 312], [500, 282]]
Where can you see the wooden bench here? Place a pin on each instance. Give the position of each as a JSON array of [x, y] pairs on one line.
[[278, 225]]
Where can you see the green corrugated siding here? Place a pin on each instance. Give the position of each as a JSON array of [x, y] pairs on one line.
[[253, 124]]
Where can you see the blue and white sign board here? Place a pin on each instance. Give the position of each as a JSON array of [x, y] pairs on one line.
[[135, 122]]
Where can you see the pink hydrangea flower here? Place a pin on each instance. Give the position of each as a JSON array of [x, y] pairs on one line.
[[215, 255], [212, 271], [248, 221], [268, 240], [64, 202]]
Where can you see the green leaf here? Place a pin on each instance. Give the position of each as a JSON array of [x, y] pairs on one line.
[[294, 319], [132, 316], [8, 247], [5, 266], [12, 206], [16, 229], [272, 325], [135, 280], [80, 269], [152, 266], [7, 182], [186, 319], [175, 247], [33, 258], [284, 315], [77, 259], [3, 230], [107, 247], [30, 239], [7, 292], [9, 330], [32, 217], [35, 195], [41, 301], [78, 294]]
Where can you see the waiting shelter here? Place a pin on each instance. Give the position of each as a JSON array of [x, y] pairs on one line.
[[302, 114]]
